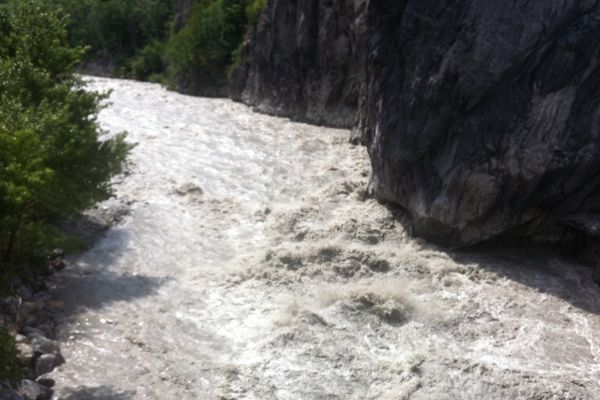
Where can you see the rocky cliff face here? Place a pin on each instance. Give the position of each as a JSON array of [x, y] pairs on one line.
[[481, 118], [304, 60]]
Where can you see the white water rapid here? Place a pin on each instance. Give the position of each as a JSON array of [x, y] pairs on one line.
[[250, 266]]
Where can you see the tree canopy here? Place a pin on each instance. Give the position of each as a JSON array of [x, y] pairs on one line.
[[52, 161]]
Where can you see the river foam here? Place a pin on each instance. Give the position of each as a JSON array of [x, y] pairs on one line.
[[251, 265]]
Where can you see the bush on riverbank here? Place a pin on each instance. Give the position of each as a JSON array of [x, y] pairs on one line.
[[52, 163], [199, 55]]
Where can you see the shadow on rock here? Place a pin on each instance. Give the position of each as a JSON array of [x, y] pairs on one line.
[[96, 393]]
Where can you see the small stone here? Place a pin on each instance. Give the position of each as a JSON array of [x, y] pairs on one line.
[[58, 264], [30, 390], [24, 292], [47, 328], [47, 362], [20, 338], [56, 304], [43, 345], [26, 354]]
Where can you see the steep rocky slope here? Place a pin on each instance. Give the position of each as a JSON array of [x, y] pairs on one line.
[[481, 118], [304, 60]]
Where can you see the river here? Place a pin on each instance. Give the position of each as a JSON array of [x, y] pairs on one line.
[[250, 265]]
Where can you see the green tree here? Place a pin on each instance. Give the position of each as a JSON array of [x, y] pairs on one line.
[[116, 30], [199, 54], [52, 162]]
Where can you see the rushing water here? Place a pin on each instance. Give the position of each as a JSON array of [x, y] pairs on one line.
[[250, 266]]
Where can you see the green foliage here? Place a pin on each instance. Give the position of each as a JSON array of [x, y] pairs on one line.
[[200, 53], [52, 163], [9, 366], [136, 38], [116, 30], [253, 10], [148, 62]]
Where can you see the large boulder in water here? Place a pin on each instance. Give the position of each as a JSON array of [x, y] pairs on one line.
[[481, 117]]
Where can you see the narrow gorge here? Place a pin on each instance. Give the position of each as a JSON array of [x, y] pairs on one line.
[[481, 119], [397, 200], [251, 265]]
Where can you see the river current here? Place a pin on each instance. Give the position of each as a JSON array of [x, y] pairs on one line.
[[251, 265]]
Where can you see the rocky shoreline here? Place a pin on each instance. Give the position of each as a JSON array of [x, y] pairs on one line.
[[29, 311], [28, 314]]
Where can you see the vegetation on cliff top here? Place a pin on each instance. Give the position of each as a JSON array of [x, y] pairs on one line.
[[139, 38], [52, 161]]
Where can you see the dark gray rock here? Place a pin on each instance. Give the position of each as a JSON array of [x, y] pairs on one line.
[[24, 292], [47, 362], [43, 345], [31, 390], [47, 382], [304, 61], [482, 117], [26, 354]]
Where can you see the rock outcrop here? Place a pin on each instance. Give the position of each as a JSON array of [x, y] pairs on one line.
[[481, 118], [304, 60]]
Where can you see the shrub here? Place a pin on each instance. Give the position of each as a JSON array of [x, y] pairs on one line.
[[9, 365], [52, 163], [198, 55], [148, 63]]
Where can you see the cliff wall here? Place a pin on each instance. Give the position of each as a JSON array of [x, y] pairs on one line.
[[481, 118]]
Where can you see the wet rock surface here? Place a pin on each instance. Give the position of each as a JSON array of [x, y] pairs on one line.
[[481, 119], [29, 316]]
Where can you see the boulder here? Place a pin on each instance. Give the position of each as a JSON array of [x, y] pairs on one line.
[[31, 390], [26, 354], [43, 345], [47, 362]]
